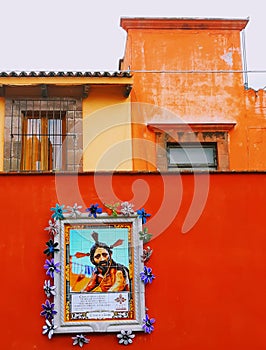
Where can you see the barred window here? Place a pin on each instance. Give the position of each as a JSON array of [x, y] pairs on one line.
[[43, 135]]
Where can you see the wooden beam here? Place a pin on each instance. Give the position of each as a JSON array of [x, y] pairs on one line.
[[2, 90], [127, 90], [85, 91], [44, 91]]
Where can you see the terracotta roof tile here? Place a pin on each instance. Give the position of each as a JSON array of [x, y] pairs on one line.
[[120, 74]]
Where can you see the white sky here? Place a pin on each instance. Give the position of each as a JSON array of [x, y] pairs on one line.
[[85, 35]]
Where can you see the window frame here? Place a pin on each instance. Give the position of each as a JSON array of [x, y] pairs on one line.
[[46, 150], [182, 132]]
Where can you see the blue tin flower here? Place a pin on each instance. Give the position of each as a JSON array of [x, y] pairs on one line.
[[94, 210], [143, 215], [146, 276]]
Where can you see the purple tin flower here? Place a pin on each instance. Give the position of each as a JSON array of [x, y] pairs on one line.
[[48, 310], [51, 267], [148, 324]]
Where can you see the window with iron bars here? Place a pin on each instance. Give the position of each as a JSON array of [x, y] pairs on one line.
[[43, 135]]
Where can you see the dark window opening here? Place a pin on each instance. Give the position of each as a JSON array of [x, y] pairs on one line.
[[192, 155]]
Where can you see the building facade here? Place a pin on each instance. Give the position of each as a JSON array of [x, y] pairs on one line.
[[80, 140], [179, 102], [60, 121]]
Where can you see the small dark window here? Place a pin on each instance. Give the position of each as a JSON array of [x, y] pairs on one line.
[[192, 155]]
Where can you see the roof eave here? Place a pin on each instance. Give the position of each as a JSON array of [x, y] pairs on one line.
[[183, 23]]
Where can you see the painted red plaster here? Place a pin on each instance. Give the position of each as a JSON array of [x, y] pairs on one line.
[[210, 286]]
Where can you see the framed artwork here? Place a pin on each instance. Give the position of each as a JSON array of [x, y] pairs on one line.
[[99, 287]]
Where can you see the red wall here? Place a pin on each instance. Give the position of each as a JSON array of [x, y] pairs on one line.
[[210, 286]]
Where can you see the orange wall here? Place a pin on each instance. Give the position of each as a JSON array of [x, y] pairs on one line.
[[179, 47], [210, 286]]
